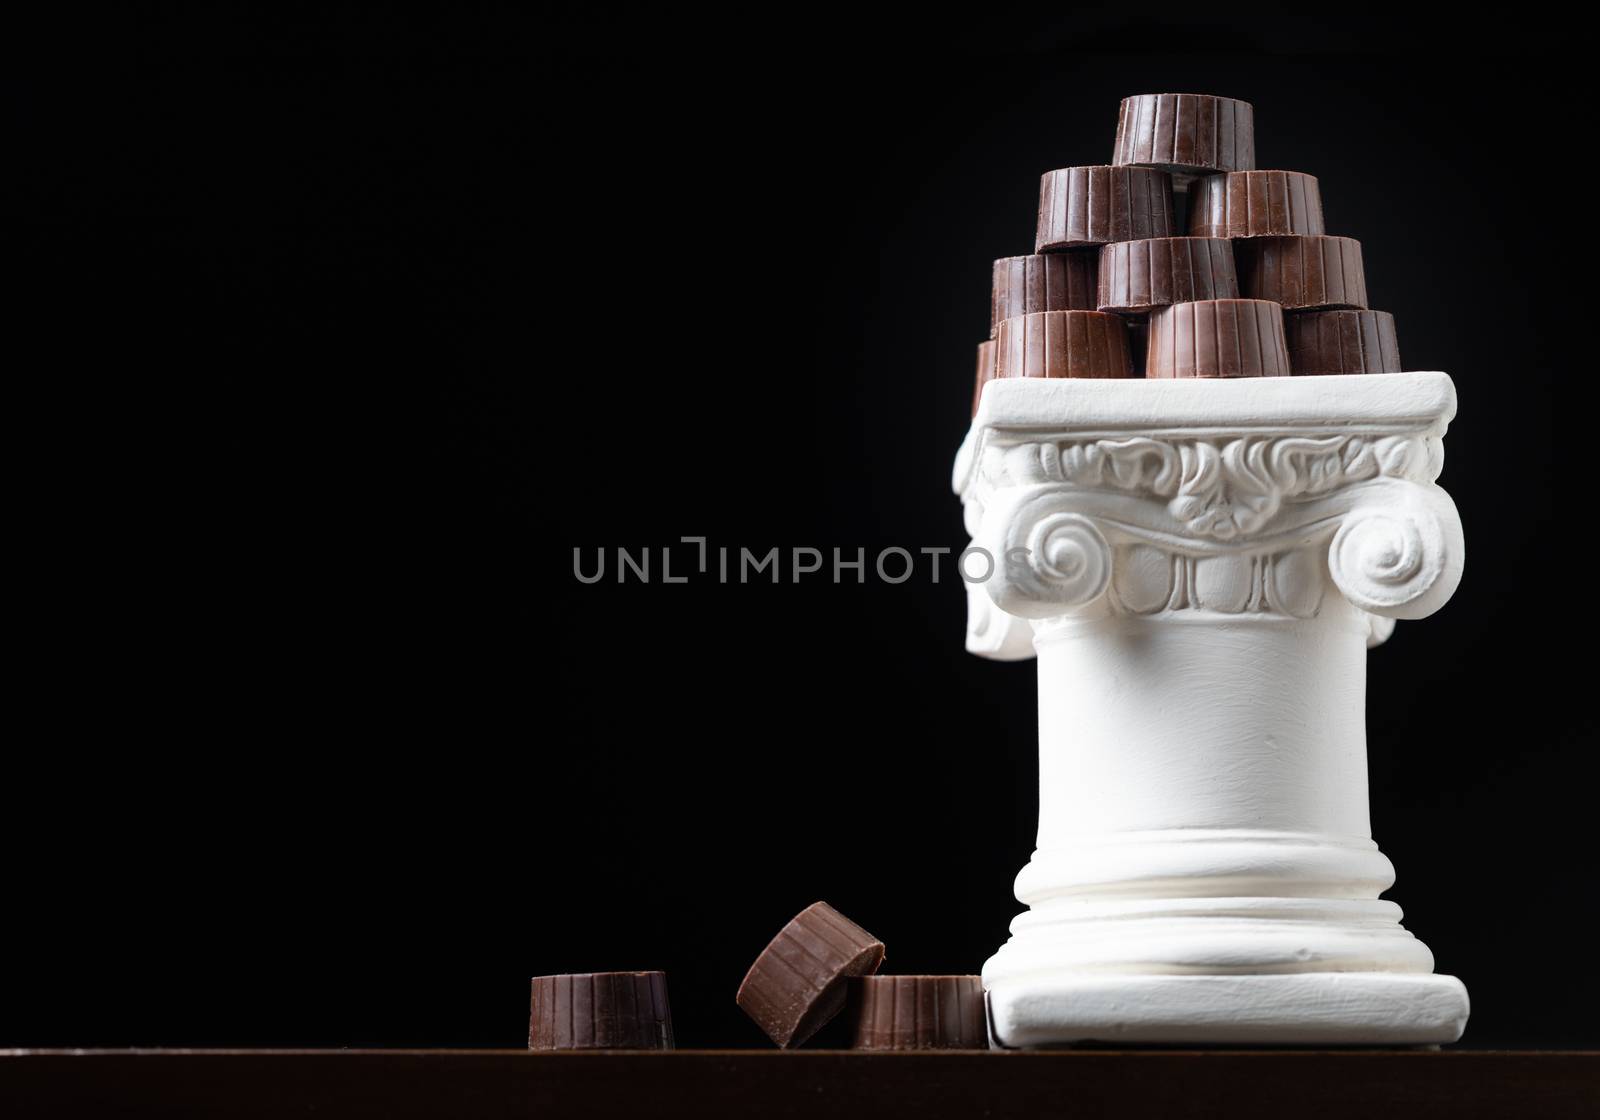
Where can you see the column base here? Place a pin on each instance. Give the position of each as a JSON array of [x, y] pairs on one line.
[[1297, 1009]]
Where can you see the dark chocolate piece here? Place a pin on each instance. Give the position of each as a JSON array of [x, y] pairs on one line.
[[1218, 338], [918, 1013], [1081, 206], [1063, 344], [1255, 204], [1322, 342], [1136, 276], [1188, 133], [600, 1011], [798, 982], [1303, 272], [1041, 282], [985, 372]]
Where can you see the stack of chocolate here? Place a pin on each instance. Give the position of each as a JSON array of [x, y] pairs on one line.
[[1256, 289]]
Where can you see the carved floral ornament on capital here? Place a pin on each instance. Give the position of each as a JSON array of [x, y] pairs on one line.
[[1233, 524]]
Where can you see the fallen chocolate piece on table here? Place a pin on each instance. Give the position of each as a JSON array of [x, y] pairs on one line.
[[1041, 282], [1256, 204], [798, 982], [600, 1011], [985, 372], [1136, 276], [1186, 133], [1303, 272], [1081, 206], [919, 1013], [1063, 344], [1324, 342], [1218, 338]]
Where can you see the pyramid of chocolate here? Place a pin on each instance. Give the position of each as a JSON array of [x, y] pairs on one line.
[[1218, 338], [798, 982], [600, 1011], [1041, 282], [1080, 206], [1323, 342], [1304, 273], [1136, 276], [1186, 133], [1258, 288], [1255, 204], [1063, 344], [918, 1013]]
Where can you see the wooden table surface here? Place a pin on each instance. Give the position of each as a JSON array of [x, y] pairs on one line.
[[1350, 1084]]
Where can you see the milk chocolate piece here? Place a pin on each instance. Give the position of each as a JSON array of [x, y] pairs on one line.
[[600, 1011], [1255, 204], [1187, 133], [1041, 282], [1063, 344], [1303, 272], [798, 982], [1342, 342], [985, 372], [1136, 276], [919, 1013], [1218, 338], [1081, 206]]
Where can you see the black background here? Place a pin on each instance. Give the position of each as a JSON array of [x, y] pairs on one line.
[[335, 337]]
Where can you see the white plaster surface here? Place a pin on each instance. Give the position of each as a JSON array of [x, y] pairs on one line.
[[1333, 1009], [1201, 568]]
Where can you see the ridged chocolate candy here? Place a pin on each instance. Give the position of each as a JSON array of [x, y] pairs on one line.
[[1063, 344], [919, 1013], [1081, 206], [1136, 276], [1255, 204], [1218, 338], [985, 372], [600, 1011], [1322, 342], [1188, 133], [798, 982], [1303, 272], [1041, 282]]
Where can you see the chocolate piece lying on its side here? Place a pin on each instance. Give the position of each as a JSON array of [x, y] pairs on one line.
[[1081, 206], [1136, 276], [1256, 204], [600, 1011], [919, 1013], [1041, 282], [1218, 338], [1303, 272], [985, 372], [1323, 342], [1063, 344], [798, 982], [1186, 133]]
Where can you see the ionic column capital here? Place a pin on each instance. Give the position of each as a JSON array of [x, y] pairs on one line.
[[1240, 497]]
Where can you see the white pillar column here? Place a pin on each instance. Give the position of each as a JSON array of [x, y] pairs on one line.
[[1202, 567]]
